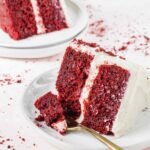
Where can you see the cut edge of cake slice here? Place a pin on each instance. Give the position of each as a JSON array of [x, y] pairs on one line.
[[72, 75]]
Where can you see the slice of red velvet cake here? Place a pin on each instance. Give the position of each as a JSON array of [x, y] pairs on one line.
[[51, 112], [99, 89], [24, 18]]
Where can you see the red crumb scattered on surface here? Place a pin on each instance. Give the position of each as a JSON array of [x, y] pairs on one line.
[[81, 42], [10, 98], [40, 118], [2, 142], [109, 53], [6, 142], [7, 79], [18, 81], [122, 58], [123, 48], [139, 43], [97, 28], [145, 109], [8, 146], [97, 25], [147, 38], [38, 125], [22, 139]]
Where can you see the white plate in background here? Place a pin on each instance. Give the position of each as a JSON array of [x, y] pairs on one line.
[[77, 14], [37, 52]]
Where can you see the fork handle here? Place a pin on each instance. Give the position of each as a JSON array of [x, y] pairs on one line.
[[101, 138]]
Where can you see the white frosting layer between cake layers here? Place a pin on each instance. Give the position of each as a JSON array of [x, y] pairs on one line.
[[134, 99], [85, 92], [93, 72], [39, 21], [84, 48]]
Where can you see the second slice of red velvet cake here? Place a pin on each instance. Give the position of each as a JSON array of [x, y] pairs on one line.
[[24, 18]]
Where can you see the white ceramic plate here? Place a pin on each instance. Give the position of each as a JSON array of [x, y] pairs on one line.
[[79, 140], [36, 52], [77, 15]]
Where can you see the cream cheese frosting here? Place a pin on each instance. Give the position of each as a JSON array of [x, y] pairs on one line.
[[39, 21], [60, 126]]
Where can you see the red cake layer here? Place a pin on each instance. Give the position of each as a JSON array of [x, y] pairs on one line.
[[105, 98], [17, 18], [50, 110], [52, 14], [71, 79]]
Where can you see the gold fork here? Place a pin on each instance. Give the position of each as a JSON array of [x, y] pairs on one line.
[[101, 138]]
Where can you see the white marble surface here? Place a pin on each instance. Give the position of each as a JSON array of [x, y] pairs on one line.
[[120, 23]]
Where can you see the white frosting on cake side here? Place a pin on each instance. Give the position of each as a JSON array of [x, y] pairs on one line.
[[135, 99], [39, 21], [65, 12], [84, 48], [60, 126]]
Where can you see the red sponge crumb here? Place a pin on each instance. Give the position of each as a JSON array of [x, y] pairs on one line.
[[50, 110]]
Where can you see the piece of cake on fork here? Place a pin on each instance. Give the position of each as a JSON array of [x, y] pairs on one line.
[[51, 112]]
